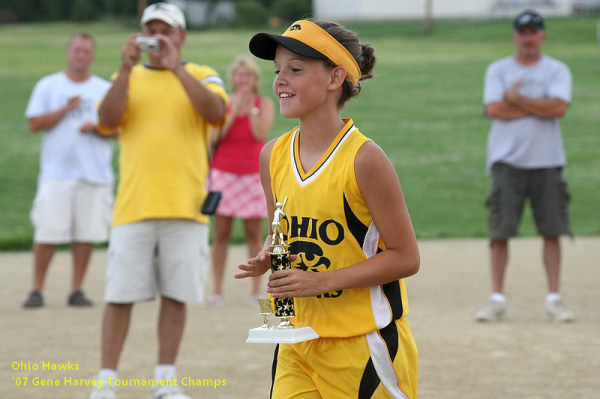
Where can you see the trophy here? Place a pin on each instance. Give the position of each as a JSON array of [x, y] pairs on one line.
[[281, 308]]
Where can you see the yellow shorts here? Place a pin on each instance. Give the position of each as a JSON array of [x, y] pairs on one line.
[[381, 364]]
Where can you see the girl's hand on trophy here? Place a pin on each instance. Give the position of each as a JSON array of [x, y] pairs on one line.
[[256, 266], [295, 283]]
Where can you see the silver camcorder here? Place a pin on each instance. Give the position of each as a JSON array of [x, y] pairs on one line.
[[148, 43]]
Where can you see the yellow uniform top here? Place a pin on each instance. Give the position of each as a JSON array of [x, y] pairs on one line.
[[329, 227], [163, 147]]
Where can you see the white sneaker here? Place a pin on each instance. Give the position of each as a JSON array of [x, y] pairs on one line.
[[559, 312], [492, 311], [105, 392], [167, 392], [215, 301]]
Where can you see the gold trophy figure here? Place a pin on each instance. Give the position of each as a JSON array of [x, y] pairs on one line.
[[283, 308], [277, 232], [280, 260]]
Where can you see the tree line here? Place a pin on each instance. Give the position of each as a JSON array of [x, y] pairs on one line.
[[250, 12]]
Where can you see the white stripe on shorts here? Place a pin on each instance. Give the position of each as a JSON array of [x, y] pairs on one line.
[[383, 365]]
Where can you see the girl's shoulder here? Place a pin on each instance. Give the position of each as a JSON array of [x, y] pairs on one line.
[[371, 156], [278, 144]]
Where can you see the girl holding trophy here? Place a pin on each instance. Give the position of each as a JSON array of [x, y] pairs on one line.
[[346, 225]]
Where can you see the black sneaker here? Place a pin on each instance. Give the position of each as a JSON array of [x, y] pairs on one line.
[[77, 298], [34, 300]]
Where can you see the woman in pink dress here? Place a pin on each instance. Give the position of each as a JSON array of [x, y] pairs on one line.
[[235, 169]]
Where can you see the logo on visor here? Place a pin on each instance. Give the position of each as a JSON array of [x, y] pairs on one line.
[[295, 27]]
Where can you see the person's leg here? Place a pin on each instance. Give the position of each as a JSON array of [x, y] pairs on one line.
[[130, 259], [51, 218], [254, 237], [495, 307], [499, 261], [115, 325], [223, 226], [505, 201], [171, 323], [82, 253], [549, 202], [42, 256], [183, 260], [92, 211], [552, 256], [556, 308]]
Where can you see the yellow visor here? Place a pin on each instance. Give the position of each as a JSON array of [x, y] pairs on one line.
[[310, 40]]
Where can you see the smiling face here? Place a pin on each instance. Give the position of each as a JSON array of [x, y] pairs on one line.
[[302, 84], [529, 43]]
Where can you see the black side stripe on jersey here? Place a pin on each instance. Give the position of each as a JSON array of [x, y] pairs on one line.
[[390, 336], [392, 293], [357, 228], [274, 369], [325, 161], [370, 380]]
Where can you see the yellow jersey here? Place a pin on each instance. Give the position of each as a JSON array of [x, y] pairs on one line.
[[329, 227]]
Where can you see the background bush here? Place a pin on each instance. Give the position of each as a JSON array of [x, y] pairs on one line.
[[291, 10], [250, 13]]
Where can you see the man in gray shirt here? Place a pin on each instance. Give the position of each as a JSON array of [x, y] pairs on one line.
[[525, 95]]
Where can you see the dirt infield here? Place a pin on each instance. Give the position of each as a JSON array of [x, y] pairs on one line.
[[523, 357]]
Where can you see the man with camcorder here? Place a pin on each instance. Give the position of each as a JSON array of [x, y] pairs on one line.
[[159, 240]]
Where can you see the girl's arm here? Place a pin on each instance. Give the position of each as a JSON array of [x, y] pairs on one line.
[[381, 190]]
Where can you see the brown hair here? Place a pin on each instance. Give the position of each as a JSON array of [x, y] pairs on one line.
[[364, 55]]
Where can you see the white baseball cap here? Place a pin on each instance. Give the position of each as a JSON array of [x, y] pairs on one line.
[[165, 12]]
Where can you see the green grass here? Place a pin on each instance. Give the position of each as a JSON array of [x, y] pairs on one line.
[[424, 108]]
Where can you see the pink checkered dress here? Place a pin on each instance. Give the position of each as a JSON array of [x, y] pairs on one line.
[[242, 194]]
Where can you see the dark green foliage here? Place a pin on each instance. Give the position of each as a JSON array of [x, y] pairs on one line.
[[84, 10], [64, 10], [291, 10], [251, 13]]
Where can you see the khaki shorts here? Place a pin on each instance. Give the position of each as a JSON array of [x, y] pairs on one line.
[[166, 256], [71, 211], [381, 364], [547, 193]]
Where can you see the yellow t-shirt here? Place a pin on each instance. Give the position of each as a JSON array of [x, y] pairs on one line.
[[163, 147], [329, 227]]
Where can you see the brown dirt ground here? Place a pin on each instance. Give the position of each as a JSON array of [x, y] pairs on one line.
[[523, 357]]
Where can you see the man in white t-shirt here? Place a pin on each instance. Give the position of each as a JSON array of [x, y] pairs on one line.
[[73, 203], [525, 95]]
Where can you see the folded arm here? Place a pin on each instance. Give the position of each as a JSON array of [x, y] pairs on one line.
[[516, 106]]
